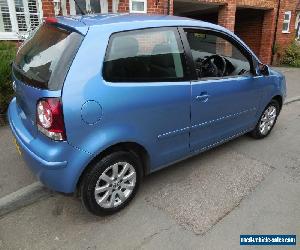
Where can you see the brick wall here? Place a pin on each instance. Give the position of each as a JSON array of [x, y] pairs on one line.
[[284, 39], [261, 4], [148, 41], [267, 37], [48, 8], [248, 26], [123, 6], [110, 6], [226, 16], [256, 28]]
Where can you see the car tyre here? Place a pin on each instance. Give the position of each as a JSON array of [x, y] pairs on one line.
[[111, 183], [266, 121]]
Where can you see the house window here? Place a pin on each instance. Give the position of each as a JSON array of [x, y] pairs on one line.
[[17, 17], [138, 6], [286, 22], [91, 6]]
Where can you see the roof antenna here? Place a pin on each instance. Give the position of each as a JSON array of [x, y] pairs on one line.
[[81, 11]]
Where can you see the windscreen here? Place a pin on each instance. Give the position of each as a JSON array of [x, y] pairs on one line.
[[45, 58]]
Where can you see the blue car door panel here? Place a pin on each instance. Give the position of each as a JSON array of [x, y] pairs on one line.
[[225, 96], [221, 109]]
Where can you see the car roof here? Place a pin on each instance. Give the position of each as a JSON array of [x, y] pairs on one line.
[[139, 20]]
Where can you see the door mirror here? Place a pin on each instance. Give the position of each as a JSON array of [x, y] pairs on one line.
[[264, 69]]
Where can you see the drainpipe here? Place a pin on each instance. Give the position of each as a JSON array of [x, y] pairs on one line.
[[276, 26], [169, 7]]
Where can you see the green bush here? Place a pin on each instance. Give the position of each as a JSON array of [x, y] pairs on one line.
[[7, 54], [291, 56]]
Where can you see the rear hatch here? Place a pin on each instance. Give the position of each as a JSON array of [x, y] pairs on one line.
[[41, 66]]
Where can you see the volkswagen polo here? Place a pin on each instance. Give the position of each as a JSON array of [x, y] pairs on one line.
[[103, 100]]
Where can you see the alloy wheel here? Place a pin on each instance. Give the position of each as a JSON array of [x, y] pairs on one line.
[[115, 185], [267, 120]]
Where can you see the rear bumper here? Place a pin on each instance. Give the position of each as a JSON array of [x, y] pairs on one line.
[[57, 165]]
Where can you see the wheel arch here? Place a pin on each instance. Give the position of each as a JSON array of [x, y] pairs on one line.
[[279, 99], [133, 147]]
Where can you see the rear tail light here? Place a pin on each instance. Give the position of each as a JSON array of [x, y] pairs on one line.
[[49, 116]]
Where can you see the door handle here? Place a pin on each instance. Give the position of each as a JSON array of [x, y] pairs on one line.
[[203, 97]]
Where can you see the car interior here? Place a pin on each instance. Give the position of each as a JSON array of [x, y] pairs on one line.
[[125, 62], [216, 57], [213, 57]]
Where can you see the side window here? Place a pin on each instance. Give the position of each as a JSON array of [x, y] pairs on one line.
[[151, 55], [214, 56], [286, 22]]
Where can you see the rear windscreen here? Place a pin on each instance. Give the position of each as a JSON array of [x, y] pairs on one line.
[[45, 58]]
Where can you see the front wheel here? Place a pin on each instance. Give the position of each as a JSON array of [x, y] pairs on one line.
[[267, 120], [111, 183]]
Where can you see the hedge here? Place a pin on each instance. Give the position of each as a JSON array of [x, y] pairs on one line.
[[7, 54]]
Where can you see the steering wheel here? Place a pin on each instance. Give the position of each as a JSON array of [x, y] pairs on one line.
[[215, 66]]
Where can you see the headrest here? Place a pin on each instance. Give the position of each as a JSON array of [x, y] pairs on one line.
[[124, 47], [162, 55]]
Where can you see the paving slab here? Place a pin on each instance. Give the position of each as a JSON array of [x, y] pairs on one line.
[[206, 189], [272, 208]]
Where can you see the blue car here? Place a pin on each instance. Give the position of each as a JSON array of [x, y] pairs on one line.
[[103, 100]]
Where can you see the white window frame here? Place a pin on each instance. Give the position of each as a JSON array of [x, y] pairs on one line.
[[104, 6], [15, 34], [296, 26], [115, 6], [135, 11], [63, 7], [287, 21]]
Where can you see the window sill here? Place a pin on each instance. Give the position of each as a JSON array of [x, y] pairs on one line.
[[138, 12], [9, 36], [286, 32]]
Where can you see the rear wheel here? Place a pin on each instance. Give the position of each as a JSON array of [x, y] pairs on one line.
[[267, 120], [111, 183]]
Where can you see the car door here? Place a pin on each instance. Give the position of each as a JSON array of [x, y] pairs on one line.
[[224, 101]]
